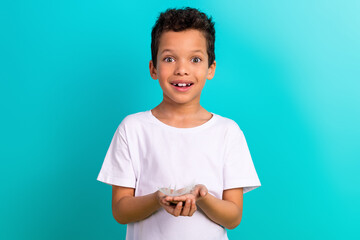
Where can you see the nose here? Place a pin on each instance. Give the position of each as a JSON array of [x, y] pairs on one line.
[[181, 68]]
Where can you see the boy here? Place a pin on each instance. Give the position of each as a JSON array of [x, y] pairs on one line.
[[179, 143]]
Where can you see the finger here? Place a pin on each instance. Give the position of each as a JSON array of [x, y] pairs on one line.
[[186, 209], [180, 198], [203, 191], [169, 209], [177, 209], [193, 208], [169, 199], [197, 192], [164, 202]]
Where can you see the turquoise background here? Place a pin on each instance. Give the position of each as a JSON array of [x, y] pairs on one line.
[[288, 72]]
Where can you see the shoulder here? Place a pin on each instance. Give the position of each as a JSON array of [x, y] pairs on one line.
[[134, 117], [133, 120], [227, 123]]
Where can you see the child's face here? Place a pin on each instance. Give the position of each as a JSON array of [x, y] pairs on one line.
[[182, 57]]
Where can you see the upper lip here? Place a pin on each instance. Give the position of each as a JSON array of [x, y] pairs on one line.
[[180, 81]]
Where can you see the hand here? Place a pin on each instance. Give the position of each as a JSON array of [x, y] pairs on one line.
[[166, 202], [185, 207], [197, 193]]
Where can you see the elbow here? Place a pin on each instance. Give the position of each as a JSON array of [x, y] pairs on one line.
[[119, 213], [233, 225], [236, 222], [120, 220]]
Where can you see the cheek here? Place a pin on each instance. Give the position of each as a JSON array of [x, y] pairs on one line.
[[201, 72], [164, 72]]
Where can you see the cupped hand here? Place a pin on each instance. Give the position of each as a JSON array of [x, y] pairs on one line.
[[167, 202], [197, 193], [185, 207]]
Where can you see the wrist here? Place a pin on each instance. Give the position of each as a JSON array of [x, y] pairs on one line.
[[156, 199], [202, 199]]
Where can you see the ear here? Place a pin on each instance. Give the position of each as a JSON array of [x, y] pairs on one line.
[[211, 71], [153, 71]]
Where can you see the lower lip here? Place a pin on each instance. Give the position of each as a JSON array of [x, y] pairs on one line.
[[182, 89]]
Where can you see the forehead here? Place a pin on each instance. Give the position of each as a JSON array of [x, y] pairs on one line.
[[189, 40]]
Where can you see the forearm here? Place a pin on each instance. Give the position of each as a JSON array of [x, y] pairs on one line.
[[131, 209], [223, 212]]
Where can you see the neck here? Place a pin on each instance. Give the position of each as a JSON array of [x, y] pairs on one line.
[[179, 111]]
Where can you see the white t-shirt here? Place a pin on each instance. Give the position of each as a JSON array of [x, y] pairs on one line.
[[147, 154]]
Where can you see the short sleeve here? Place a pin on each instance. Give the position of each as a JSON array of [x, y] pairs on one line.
[[117, 168], [239, 170]]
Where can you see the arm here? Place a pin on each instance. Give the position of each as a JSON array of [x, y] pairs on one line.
[[226, 212], [127, 208]]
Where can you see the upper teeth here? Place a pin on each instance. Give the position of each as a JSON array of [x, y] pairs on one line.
[[181, 84]]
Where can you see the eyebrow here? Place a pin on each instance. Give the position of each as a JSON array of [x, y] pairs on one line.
[[169, 50]]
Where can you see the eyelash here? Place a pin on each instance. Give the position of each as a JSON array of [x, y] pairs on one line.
[[198, 58], [193, 58]]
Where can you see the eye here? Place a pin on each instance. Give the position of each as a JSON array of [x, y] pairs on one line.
[[169, 59], [196, 59]]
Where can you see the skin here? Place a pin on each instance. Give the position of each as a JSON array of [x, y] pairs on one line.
[[182, 109], [188, 60]]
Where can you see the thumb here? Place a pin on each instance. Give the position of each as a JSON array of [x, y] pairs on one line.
[[202, 193]]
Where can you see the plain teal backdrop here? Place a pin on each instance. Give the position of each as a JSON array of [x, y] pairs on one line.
[[288, 72]]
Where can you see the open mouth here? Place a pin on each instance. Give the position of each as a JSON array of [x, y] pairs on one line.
[[182, 84], [182, 87]]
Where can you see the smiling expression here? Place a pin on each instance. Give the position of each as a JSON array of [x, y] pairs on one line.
[[182, 66]]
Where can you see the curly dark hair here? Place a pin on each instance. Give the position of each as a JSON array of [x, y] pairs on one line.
[[179, 20]]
